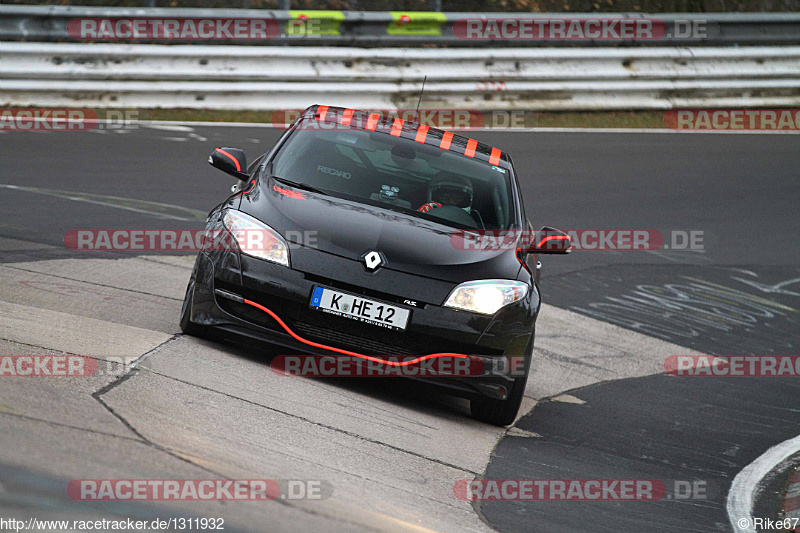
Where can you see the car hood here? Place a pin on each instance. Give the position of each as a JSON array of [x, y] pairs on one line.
[[350, 229]]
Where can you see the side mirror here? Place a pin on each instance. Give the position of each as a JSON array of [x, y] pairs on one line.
[[550, 241], [231, 161]]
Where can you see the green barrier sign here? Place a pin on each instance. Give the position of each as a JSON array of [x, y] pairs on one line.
[[416, 23], [313, 22]]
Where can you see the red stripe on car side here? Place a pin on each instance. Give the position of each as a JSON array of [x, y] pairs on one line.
[[238, 167], [321, 112], [372, 121], [422, 134], [471, 145], [494, 159], [552, 238], [397, 127], [248, 191], [447, 138], [347, 116]]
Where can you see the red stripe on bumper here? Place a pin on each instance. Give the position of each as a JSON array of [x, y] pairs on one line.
[[347, 352]]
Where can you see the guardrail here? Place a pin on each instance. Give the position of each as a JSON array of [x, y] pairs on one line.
[[270, 78], [375, 29]]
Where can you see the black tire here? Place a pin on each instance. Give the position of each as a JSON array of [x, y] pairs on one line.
[[501, 412], [187, 326]]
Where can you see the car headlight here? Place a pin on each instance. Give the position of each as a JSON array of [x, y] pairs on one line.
[[486, 296], [256, 238]]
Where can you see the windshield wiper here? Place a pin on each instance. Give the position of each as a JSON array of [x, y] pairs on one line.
[[297, 185]]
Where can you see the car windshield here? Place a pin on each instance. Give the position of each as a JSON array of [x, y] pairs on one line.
[[400, 174]]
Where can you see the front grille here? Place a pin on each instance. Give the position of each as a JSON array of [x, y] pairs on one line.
[[340, 339], [341, 332], [344, 333]]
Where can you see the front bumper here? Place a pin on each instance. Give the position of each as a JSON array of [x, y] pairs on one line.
[[431, 329]]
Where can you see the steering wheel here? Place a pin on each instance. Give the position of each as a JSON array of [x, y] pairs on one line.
[[424, 208], [453, 214]]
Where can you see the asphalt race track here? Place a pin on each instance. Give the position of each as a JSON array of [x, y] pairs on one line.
[[387, 455]]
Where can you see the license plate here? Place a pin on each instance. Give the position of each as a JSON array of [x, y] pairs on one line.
[[358, 308]]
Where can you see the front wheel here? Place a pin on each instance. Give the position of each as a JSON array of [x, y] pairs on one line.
[[501, 412], [187, 326]]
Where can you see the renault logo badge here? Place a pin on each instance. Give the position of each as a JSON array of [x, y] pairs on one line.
[[373, 260]]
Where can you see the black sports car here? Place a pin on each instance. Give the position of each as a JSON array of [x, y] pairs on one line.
[[366, 236]]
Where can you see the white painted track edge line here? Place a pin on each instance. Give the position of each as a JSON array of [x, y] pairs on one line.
[[743, 488]]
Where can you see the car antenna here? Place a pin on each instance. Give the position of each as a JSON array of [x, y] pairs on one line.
[[416, 113]]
